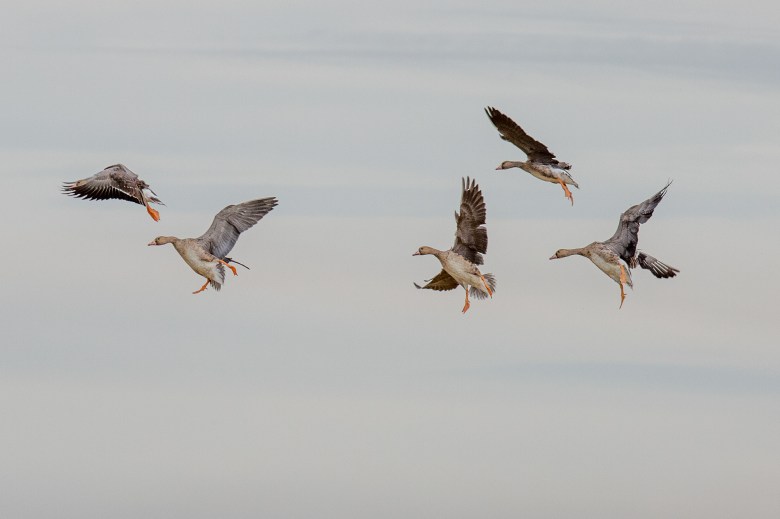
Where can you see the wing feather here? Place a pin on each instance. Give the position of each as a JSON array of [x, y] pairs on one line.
[[113, 182], [510, 131], [442, 281], [231, 221], [471, 239], [626, 237]]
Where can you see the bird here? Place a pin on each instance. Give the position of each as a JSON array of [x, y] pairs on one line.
[[459, 264], [541, 162], [617, 255], [207, 254], [116, 181]]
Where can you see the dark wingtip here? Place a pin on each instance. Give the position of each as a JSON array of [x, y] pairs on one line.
[[415, 284]]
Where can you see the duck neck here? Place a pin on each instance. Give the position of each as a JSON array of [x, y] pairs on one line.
[[564, 253], [515, 164]]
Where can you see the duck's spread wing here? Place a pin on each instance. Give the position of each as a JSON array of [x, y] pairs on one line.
[[626, 237], [442, 281], [471, 238], [510, 131], [220, 238], [113, 182]]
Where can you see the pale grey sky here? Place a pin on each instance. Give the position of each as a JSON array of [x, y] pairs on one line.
[[321, 383]]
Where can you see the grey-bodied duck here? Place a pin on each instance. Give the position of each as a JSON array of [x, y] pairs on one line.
[[115, 181], [616, 256], [207, 254]]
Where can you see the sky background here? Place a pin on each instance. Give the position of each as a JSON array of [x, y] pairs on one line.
[[320, 383]]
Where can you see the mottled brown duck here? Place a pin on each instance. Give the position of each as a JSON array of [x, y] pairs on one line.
[[541, 163], [459, 264]]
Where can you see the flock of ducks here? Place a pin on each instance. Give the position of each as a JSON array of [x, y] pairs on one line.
[[207, 254]]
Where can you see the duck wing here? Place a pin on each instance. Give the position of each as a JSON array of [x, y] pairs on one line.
[[442, 281], [510, 131], [626, 237], [471, 238], [115, 181], [231, 221]]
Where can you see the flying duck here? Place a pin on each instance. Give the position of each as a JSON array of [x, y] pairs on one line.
[[115, 181], [459, 264], [207, 254], [607, 255], [541, 162]]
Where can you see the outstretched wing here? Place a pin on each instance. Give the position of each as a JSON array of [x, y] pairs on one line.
[[220, 238], [442, 281], [626, 237], [115, 181], [510, 131], [471, 238]]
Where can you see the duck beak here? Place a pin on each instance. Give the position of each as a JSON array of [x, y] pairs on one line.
[[151, 243], [499, 167], [416, 253], [553, 257]]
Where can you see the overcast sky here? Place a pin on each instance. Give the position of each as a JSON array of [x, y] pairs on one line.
[[320, 383]]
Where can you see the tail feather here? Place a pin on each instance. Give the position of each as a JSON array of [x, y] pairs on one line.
[[658, 268], [216, 284], [476, 293]]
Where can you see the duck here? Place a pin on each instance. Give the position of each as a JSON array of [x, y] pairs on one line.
[[459, 264], [115, 181], [541, 162], [207, 254], [617, 255]]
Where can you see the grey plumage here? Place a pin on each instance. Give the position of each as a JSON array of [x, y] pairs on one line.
[[491, 281], [230, 222], [624, 241], [116, 181]]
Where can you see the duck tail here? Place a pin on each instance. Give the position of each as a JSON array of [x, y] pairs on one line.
[[476, 293], [216, 283], [658, 268]]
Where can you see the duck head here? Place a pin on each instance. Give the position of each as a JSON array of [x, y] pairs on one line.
[[162, 240], [422, 251]]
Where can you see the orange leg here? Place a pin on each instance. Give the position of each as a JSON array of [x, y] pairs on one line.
[[202, 288], [487, 286], [467, 305], [153, 213], [566, 191], [622, 281], [228, 265]]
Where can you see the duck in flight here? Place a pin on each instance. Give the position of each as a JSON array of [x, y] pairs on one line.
[[541, 162], [207, 254], [115, 181], [459, 264], [619, 254]]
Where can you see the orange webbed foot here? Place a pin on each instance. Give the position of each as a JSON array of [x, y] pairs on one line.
[[622, 281], [487, 287], [231, 267], [206, 284], [153, 213], [566, 191]]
